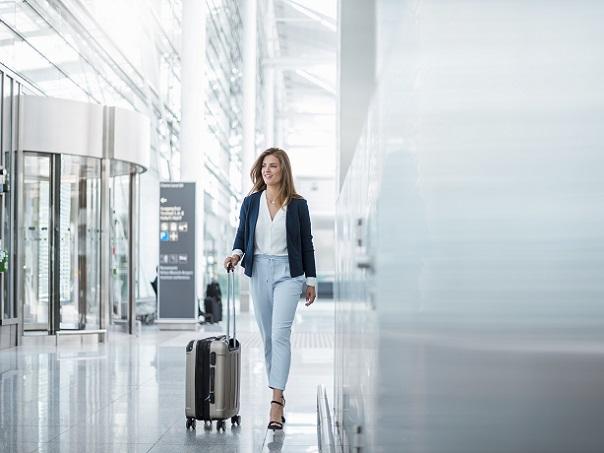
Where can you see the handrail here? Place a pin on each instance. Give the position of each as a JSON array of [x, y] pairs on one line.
[[324, 426]]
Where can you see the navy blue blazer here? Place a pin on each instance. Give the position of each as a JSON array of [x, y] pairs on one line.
[[300, 250]]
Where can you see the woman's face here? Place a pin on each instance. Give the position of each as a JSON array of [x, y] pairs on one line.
[[271, 170]]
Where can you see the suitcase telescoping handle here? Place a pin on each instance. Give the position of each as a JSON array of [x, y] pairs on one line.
[[231, 301]]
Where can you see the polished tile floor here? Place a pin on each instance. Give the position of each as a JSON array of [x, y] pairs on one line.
[[128, 395]]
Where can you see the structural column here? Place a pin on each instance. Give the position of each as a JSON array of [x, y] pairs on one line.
[[249, 90], [193, 128], [249, 8], [356, 76], [269, 78], [269, 108]]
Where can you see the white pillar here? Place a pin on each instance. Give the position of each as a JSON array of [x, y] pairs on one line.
[[269, 107], [249, 90], [272, 45], [356, 76], [193, 126], [249, 8]]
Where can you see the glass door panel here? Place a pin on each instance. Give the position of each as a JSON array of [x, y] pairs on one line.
[[35, 288], [80, 242], [120, 220]]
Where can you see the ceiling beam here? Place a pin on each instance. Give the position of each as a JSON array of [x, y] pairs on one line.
[[328, 87], [292, 63], [322, 19], [295, 20]]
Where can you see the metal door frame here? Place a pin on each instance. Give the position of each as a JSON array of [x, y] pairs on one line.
[[54, 303], [133, 213]]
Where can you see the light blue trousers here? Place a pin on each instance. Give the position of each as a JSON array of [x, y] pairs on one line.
[[275, 295]]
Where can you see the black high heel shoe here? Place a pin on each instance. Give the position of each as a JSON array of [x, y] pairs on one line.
[[277, 425]]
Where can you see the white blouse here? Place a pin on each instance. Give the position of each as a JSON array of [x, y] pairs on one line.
[[271, 236]]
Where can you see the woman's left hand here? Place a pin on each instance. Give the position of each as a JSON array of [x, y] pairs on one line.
[[311, 294]]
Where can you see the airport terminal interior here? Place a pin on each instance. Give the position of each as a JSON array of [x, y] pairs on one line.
[[451, 154]]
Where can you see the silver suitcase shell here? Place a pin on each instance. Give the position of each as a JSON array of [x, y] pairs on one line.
[[213, 380], [224, 374]]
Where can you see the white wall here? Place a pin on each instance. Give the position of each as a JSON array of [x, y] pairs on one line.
[[478, 181], [356, 76]]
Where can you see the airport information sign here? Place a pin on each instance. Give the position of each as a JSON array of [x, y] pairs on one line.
[[177, 251]]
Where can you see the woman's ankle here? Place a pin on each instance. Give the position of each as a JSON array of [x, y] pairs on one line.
[[276, 411]]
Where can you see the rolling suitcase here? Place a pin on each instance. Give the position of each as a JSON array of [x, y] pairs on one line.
[[213, 371]]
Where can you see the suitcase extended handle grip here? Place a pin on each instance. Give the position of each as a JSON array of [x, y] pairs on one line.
[[231, 300]]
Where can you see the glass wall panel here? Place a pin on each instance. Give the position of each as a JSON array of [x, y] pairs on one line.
[[113, 52], [101, 51], [8, 87], [35, 290], [223, 143]]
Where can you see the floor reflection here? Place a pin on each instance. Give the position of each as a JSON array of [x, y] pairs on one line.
[[275, 445], [128, 394]]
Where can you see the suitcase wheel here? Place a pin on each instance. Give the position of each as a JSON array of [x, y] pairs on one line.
[[220, 426], [236, 420], [190, 423]]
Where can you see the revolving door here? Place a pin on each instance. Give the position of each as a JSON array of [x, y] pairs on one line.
[[77, 217]]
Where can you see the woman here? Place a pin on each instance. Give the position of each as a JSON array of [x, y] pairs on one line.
[[275, 240]]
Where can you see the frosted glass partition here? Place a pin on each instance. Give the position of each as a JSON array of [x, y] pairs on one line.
[[470, 228]]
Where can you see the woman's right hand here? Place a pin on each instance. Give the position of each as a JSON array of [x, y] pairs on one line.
[[231, 261]]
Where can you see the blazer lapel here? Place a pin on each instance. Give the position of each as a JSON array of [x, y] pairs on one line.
[[292, 211], [255, 207]]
